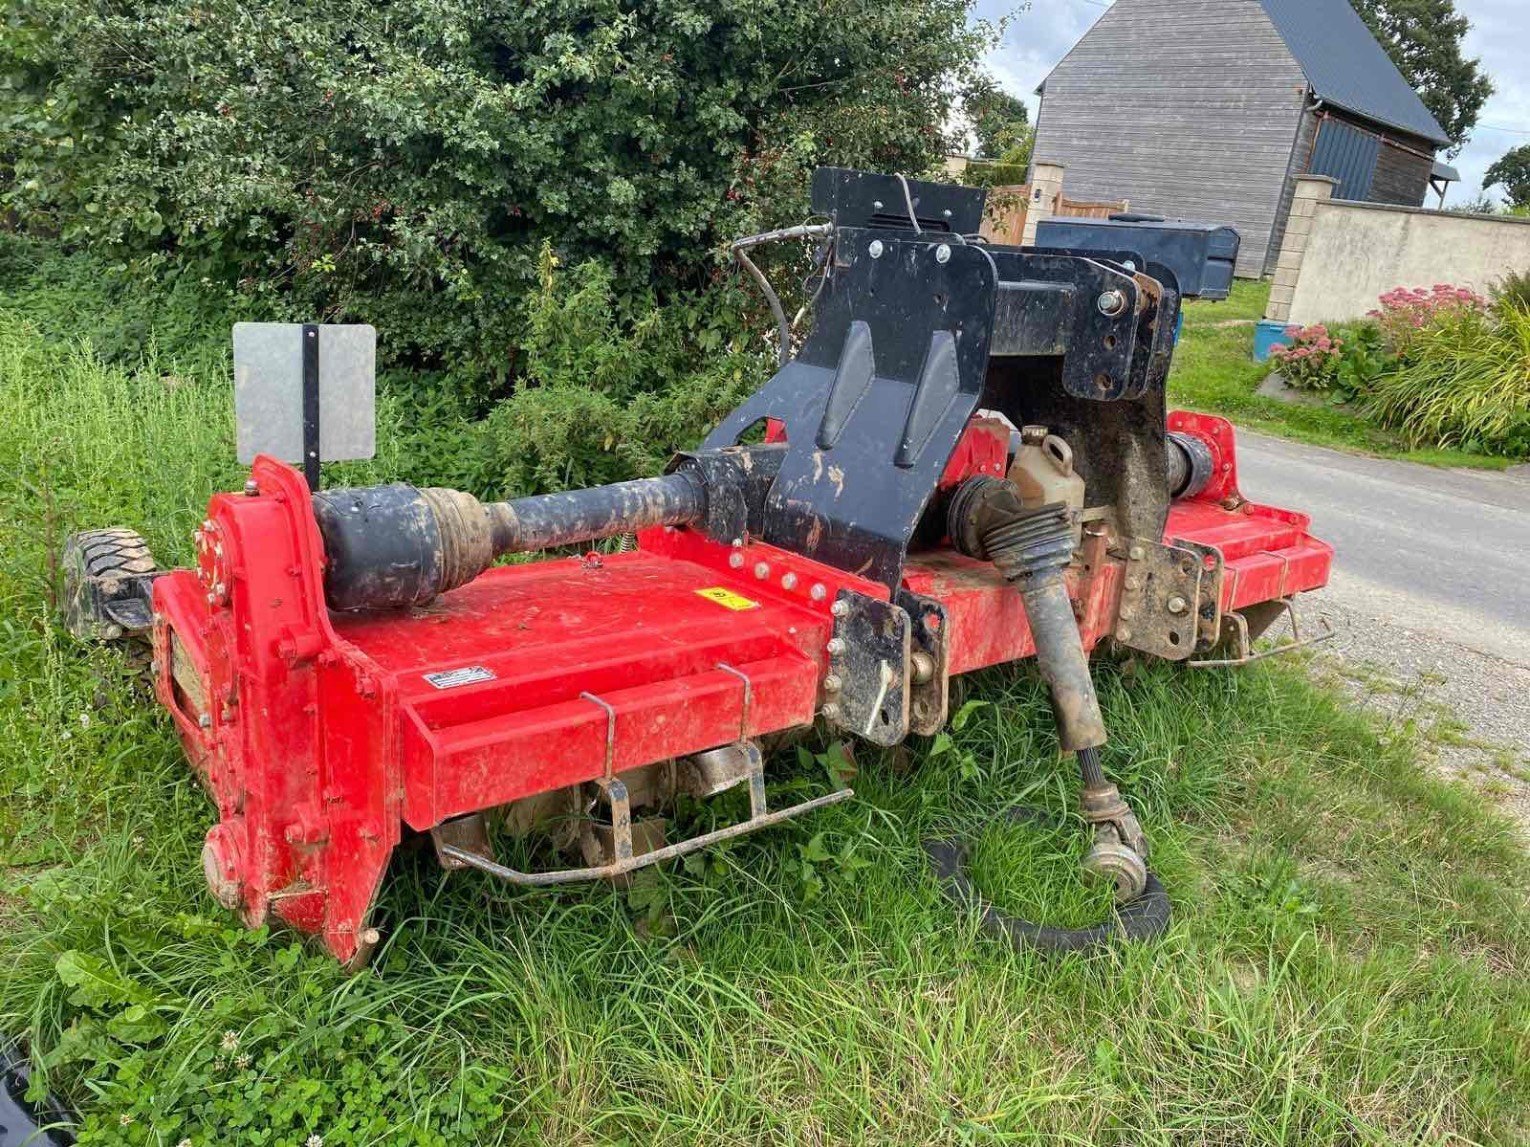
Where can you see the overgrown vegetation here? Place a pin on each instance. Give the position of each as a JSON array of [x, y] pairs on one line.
[[1462, 379], [1347, 963], [403, 163], [1214, 371], [1443, 367]]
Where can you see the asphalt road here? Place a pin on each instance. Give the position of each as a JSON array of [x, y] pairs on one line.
[[1430, 581]]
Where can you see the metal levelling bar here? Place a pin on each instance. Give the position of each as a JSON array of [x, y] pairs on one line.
[[621, 867], [311, 405]]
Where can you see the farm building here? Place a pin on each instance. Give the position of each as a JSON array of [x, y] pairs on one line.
[[1210, 109]]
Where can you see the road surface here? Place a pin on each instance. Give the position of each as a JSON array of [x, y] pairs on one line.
[[1430, 581]]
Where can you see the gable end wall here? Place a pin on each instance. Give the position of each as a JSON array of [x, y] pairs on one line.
[[1187, 108]]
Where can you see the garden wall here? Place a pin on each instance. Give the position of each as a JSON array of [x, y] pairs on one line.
[[1340, 257]]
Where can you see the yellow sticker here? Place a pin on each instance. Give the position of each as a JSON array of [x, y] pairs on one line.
[[727, 598]]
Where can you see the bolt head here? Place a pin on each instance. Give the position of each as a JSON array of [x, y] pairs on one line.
[[736, 560], [762, 570], [943, 253], [832, 683], [1178, 604], [875, 249], [818, 592], [840, 608], [789, 581], [251, 488], [1111, 303], [831, 711], [835, 647], [1136, 553]]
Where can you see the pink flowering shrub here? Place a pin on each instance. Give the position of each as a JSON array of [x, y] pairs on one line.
[[1311, 361], [1406, 311]]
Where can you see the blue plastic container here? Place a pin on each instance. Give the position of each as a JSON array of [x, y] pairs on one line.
[[1267, 336]]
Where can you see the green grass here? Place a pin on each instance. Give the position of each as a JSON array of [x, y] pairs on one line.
[[1347, 963], [1214, 371]]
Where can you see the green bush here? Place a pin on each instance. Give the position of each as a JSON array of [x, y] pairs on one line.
[[1464, 381], [402, 162], [1342, 362]]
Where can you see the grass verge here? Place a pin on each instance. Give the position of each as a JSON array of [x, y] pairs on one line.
[[1214, 371], [1347, 963]]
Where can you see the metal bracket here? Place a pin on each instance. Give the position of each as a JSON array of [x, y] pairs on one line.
[[1208, 613], [1235, 634], [929, 676], [1160, 599], [870, 655]]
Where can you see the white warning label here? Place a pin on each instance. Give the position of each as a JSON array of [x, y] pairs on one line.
[[467, 675]]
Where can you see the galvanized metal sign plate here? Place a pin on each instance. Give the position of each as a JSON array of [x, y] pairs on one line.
[[268, 391]]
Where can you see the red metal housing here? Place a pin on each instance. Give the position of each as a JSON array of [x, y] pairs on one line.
[[321, 736]]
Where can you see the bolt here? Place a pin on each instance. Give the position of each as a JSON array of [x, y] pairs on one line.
[[1136, 553], [875, 250], [818, 592], [831, 711], [204, 721], [876, 205], [738, 543], [943, 253], [762, 570], [736, 560], [251, 488], [1178, 605], [832, 683], [1124, 632], [789, 581], [947, 213], [836, 646], [922, 666], [370, 937], [111, 632], [1111, 303], [840, 608]]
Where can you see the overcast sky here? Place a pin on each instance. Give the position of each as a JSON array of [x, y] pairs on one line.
[[1041, 31]]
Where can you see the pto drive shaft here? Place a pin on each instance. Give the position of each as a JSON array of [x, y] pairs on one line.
[[1032, 548], [395, 545]]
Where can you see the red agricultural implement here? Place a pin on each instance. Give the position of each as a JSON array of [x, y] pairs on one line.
[[967, 462]]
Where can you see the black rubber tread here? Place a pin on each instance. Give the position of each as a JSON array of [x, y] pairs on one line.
[[100, 566], [112, 551], [1145, 918]]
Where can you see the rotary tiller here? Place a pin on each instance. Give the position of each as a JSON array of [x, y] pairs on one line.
[[967, 461]]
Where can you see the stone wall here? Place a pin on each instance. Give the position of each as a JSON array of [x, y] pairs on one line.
[[1339, 257]]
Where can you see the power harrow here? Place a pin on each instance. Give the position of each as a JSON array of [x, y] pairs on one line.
[[967, 461]]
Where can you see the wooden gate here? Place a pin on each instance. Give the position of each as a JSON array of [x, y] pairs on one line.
[[1004, 216]]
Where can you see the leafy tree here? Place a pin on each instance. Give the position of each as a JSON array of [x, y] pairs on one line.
[[1423, 37], [1512, 171], [404, 161], [1000, 122]]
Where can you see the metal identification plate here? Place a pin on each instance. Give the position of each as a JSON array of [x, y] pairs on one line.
[[268, 391], [468, 675]]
